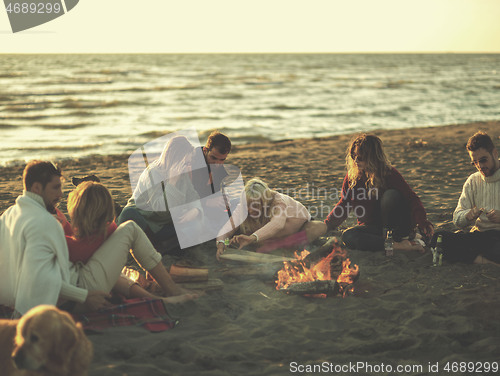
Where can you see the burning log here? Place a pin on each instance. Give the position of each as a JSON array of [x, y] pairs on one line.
[[329, 287], [318, 274]]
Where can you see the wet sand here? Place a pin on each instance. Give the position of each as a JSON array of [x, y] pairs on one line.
[[403, 311]]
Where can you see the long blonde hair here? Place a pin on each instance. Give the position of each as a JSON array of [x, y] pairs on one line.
[[256, 190], [369, 148], [91, 209]]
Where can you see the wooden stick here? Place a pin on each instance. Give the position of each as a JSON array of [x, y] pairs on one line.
[[188, 274], [210, 285], [232, 254]]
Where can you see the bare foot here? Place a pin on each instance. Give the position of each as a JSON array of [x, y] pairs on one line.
[[406, 245], [483, 260]]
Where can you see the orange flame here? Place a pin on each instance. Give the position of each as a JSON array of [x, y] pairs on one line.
[[296, 271]]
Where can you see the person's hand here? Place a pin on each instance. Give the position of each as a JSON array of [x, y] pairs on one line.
[[97, 300], [220, 250], [428, 230], [493, 215], [473, 214], [243, 240]]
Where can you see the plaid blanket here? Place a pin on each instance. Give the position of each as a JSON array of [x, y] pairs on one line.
[[144, 312], [147, 313]]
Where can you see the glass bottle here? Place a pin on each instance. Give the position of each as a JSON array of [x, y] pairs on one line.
[[389, 244]]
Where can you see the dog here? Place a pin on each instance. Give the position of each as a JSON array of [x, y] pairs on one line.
[[44, 342]]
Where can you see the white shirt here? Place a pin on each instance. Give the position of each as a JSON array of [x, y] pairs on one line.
[[34, 264]]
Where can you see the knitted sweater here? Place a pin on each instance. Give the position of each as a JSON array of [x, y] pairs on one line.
[[483, 193], [34, 265], [366, 207]]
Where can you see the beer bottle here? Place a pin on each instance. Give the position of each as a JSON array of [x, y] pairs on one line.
[[439, 251], [389, 244]]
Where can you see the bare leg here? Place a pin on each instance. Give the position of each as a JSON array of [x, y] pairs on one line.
[[314, 229], [167, 284]]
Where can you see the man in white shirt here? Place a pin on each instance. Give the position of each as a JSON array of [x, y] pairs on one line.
[[34, 264], [479, 207]]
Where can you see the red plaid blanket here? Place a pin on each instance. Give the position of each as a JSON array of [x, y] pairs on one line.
[[147, 313]]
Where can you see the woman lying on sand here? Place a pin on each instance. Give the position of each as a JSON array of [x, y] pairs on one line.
[[99, 248], [272, 216], [380, 198]]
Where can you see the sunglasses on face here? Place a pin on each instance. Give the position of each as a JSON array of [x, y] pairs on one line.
[[482, 160]]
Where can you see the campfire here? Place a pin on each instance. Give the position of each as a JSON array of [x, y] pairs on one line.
[[330, 275]]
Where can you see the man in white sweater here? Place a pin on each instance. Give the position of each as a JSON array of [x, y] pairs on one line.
[[479, 204], [479, 207], [34, 264]]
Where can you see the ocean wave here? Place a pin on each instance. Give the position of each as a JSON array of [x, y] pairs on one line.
[[25, 107], [322, 115], [229, 96], [118, 72], [5, 98], [63, 148], [12, 75], [256, 117], [76, 103], [263, 83], [194, 118], [30, 118], [75, 81], [62, 126], [139, 89], [7, 126], [285, 107], [393, 84]]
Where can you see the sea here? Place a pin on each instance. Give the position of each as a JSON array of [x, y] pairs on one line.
[[57, 106]]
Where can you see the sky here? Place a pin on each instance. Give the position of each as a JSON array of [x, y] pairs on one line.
[[265, 26]]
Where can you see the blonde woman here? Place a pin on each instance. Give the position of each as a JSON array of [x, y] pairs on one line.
[[99, 249], [379, 197], [274, 220]]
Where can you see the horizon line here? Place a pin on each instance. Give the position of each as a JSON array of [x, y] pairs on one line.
[[265, 53]]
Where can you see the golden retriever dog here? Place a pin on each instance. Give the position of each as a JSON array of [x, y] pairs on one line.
[[45, 341]]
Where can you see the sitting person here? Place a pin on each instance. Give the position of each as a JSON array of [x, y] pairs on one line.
[[271, 216], [34, 262], [91, 210], [479, 207], [380, 198], [165, 183]]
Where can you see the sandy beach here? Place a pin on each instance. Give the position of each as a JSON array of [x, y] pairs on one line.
[[403, 312]]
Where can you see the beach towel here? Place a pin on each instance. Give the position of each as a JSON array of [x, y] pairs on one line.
[[147, 313]]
